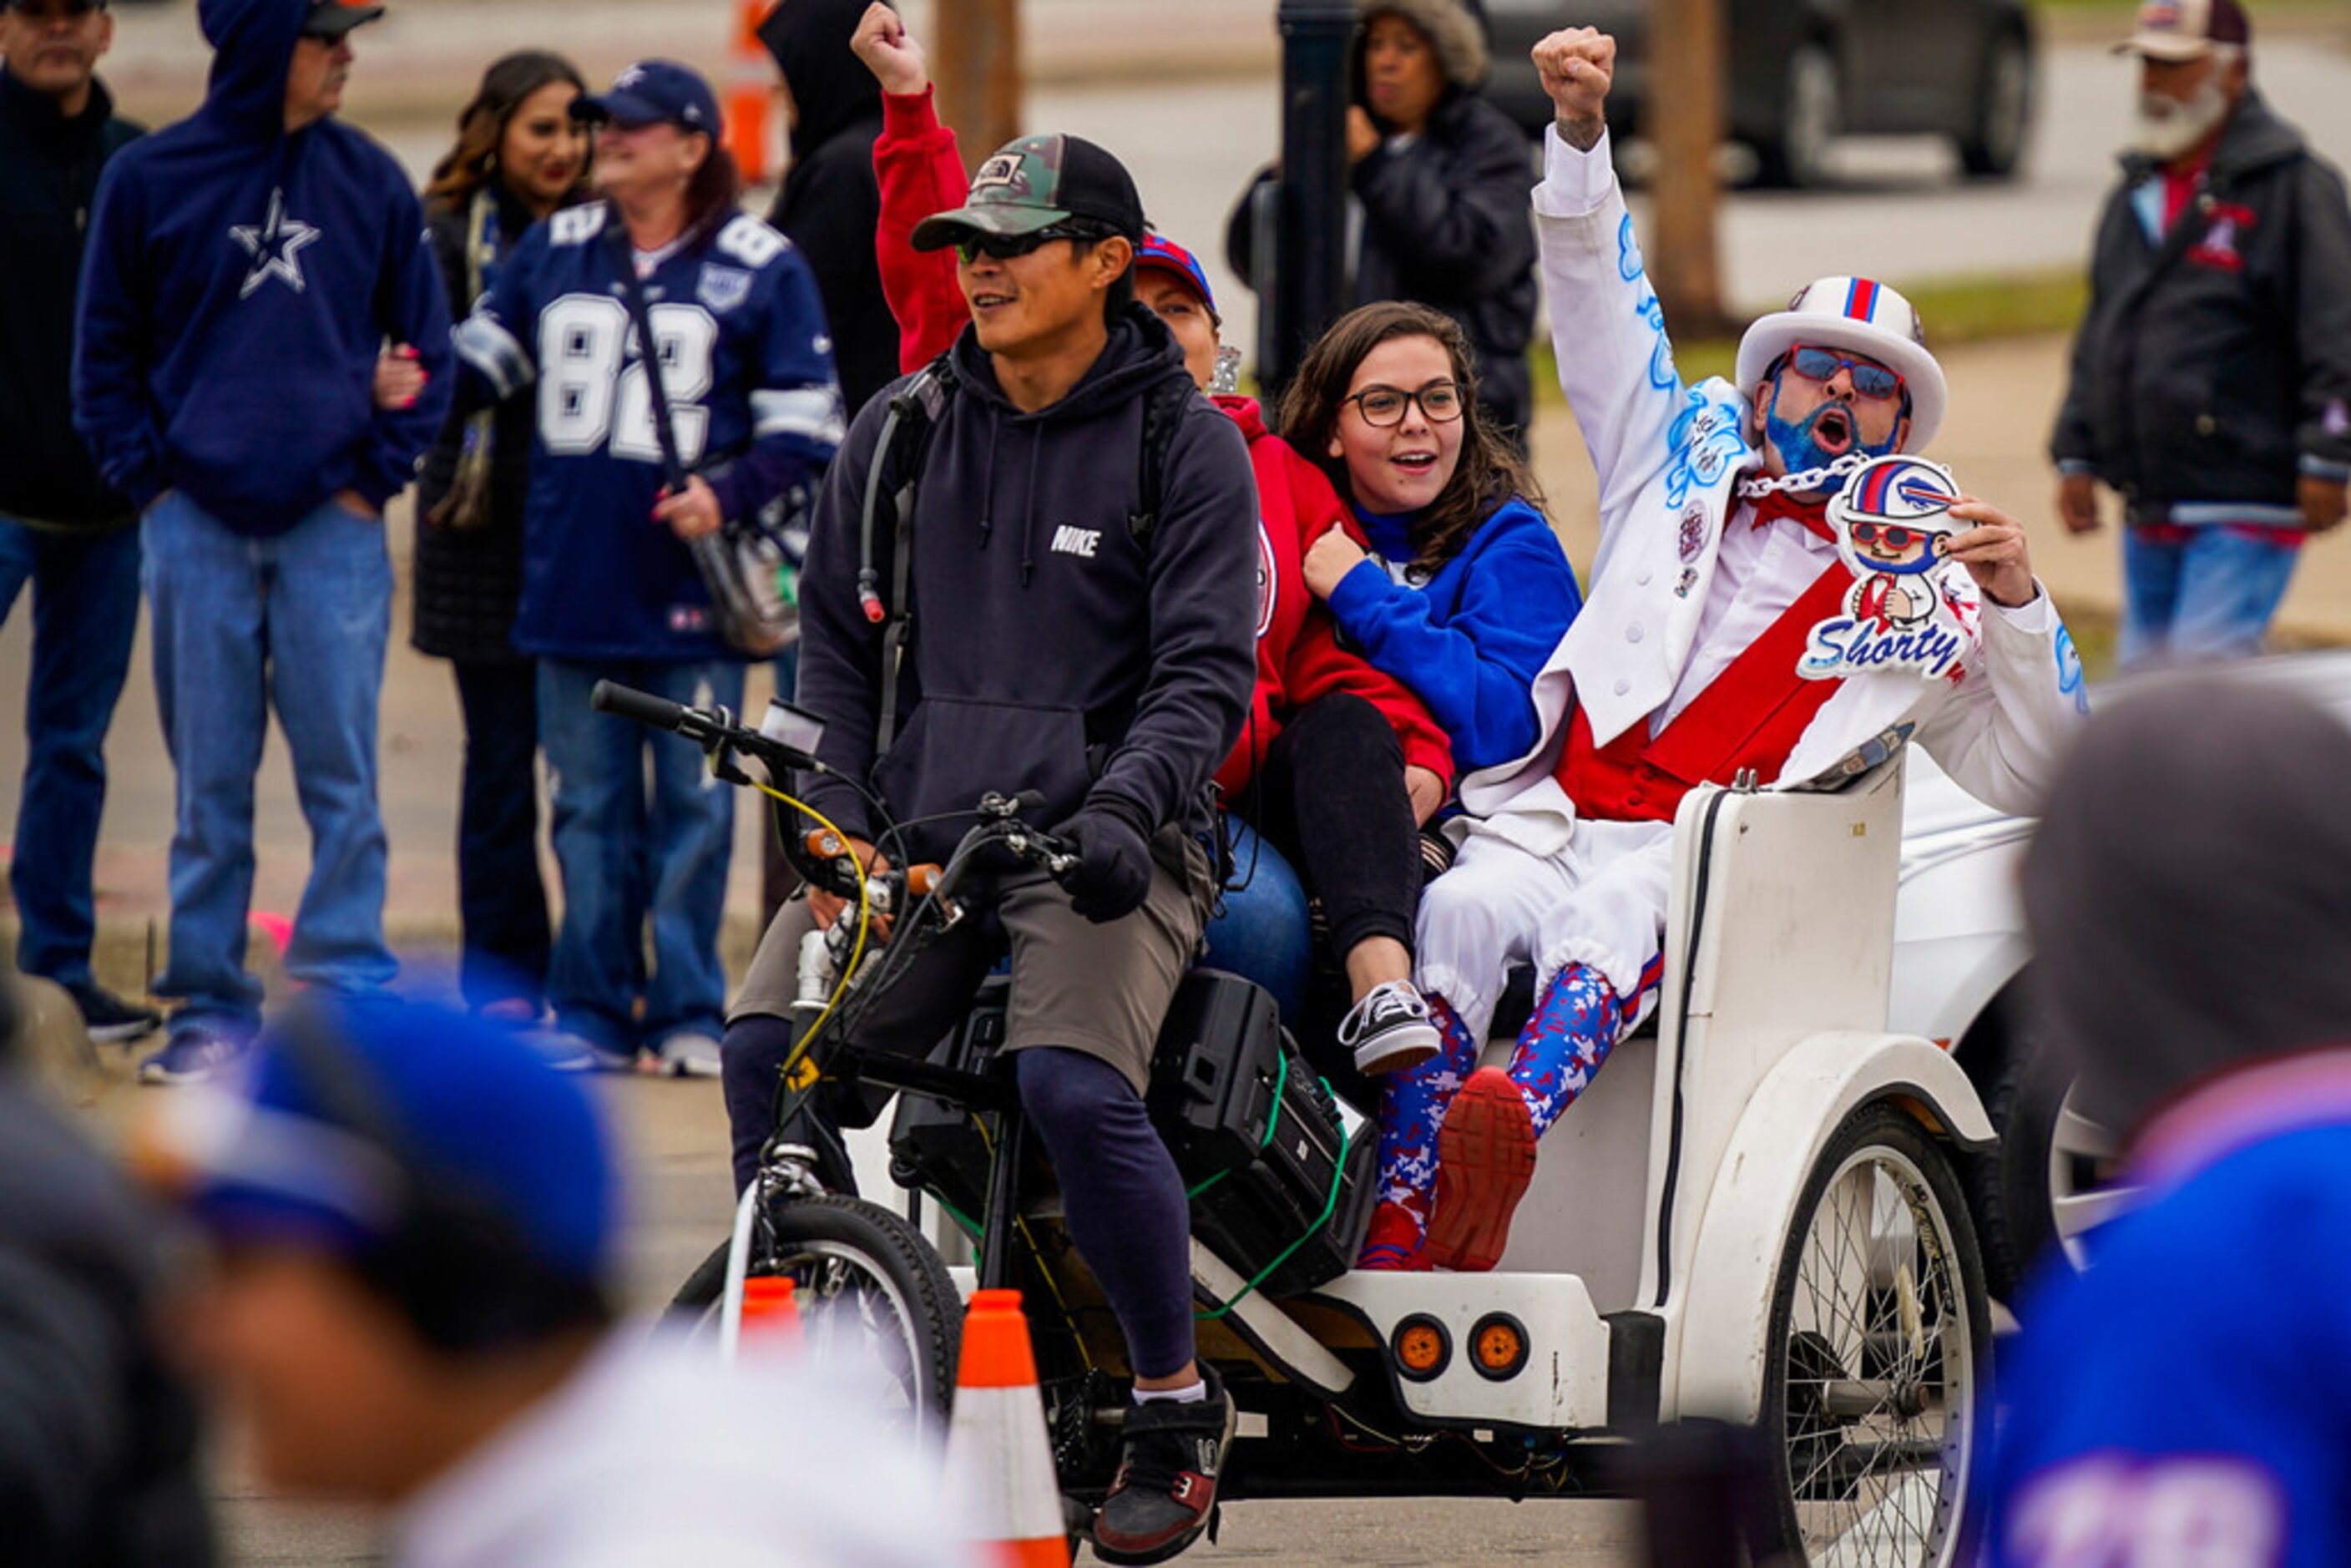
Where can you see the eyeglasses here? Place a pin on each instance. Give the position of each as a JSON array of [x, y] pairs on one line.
[[1893, 535], [1440, 402], [1872, 381], [1007, 247]]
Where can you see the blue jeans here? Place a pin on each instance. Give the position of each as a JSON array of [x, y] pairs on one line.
[[627, 854], [1261, 932], [2209, 598], [84, 611], [295, 622]]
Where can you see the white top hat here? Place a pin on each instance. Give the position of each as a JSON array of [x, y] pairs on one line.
[[1861, 317]]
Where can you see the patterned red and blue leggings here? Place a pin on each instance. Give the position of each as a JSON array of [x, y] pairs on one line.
[[1568, 1035]]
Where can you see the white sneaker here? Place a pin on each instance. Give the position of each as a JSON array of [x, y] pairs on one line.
[[569, 1053], [1390, 1029], [686, 1054]]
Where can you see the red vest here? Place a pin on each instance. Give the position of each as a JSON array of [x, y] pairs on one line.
[[1750, 716]]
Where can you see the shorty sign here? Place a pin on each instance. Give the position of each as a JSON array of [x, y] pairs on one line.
[[1894, 527]]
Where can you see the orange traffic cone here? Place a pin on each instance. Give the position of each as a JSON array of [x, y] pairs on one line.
[[999, 1465], [771, 1314], [750, 92]]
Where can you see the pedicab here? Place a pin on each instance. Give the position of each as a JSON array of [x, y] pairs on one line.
[[1752, 1215]]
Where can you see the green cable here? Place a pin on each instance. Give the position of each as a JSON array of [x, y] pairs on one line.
[[1281, 1086], [1329, 1207]]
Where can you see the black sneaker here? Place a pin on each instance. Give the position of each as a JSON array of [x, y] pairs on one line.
[[109, 1018], [1390, 1029], [1165, 1492]]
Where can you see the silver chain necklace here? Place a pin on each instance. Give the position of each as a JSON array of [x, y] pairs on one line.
[[1804, 481]]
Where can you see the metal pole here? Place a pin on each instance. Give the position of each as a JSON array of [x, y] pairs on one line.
[[1687, 79], [1301, 216], [976, 65]]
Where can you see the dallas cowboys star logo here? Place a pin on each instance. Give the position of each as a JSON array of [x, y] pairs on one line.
[[275, 245]]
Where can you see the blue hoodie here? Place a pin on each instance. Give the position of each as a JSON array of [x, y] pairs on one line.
[[239, 285], [1470, 640]]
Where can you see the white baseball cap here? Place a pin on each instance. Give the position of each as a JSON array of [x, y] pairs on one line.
[[1860, 317]]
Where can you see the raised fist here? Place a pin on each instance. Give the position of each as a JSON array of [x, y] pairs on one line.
[[890, 52], [1576, 65]]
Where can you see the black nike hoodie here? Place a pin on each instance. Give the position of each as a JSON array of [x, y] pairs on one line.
[[1052, 648]]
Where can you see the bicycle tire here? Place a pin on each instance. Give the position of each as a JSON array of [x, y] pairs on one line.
[[887, 1248]]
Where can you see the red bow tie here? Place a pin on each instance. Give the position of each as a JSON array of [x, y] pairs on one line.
[[1777, 504]]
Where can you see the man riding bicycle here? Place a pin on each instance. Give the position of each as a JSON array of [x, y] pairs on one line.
[[1060, 623]]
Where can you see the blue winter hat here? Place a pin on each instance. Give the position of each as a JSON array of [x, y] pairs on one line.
[[655, 93], [385, 1133]]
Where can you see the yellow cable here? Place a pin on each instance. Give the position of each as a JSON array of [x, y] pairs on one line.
[[857, 949]]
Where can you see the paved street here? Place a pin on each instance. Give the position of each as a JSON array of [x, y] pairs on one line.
[[1193, 141]]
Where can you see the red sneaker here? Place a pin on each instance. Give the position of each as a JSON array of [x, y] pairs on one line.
[[1392, 1245], [1485, 1158]]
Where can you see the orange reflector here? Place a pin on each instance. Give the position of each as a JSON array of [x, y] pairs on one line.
[[1422, 1347], [1498, 1345]]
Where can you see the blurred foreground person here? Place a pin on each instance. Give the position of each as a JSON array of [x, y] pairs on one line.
[[413, 1306], [2190, 898], [98, 1440]]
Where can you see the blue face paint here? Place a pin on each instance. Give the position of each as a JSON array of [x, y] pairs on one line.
[[1795, 443]]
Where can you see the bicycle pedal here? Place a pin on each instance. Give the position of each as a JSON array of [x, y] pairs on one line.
[[1216, 1521]]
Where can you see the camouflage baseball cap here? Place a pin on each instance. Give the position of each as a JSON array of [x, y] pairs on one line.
[[1037, 181]]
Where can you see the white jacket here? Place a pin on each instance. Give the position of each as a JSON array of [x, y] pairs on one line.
[[1670, 458]]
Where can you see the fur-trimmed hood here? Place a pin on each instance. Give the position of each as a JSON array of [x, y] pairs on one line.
[[1456, 28]]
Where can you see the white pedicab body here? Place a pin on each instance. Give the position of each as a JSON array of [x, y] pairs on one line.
[[1750, 1215]]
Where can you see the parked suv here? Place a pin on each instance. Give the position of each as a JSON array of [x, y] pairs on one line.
[[1804, 72]]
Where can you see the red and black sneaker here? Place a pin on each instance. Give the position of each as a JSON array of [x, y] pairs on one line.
[[1165, 1492]]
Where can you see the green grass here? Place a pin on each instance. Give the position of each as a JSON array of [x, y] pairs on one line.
[[1956, 310]]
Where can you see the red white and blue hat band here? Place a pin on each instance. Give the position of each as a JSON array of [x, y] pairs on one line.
[[1860, 315]]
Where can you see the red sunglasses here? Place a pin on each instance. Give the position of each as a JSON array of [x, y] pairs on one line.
[[1895, 535]]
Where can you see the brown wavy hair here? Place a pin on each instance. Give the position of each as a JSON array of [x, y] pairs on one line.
[[1489, 473], [473, 161]]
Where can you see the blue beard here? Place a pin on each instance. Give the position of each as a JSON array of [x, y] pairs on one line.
[[1796, 446]]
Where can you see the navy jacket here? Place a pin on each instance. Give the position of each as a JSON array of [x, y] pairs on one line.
[[48, 176], [1053, 650], [239, 285]]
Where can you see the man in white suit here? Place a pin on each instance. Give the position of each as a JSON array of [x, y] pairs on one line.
[[1723, 634]]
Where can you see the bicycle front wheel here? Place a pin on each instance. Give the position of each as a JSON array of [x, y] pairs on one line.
[[875, 1302]]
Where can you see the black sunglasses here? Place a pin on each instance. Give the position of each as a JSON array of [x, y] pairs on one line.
[[1007, 247]]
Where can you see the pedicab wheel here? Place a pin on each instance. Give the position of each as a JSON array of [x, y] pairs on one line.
[[1879, 1348], [871, 1294]]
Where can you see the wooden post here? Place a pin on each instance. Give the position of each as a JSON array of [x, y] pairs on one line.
[[1684, 107], [977, 63]]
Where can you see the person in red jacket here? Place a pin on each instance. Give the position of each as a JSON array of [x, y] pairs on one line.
[[1338, 764]]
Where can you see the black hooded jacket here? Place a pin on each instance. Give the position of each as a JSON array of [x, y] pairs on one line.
[[1444, 217], [831, 204], [48, 178], [1053, 649], [2213, 365]]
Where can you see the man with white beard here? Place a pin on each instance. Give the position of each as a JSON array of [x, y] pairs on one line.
[[2211, 378]]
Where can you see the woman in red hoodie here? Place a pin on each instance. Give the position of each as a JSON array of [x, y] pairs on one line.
[[1338, 764]]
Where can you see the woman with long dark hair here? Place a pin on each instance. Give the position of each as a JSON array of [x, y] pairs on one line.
[[518, 156], [747, 405], [1462, 596]]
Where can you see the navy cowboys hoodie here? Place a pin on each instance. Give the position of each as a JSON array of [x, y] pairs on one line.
[[239, 284], [1053, 649]]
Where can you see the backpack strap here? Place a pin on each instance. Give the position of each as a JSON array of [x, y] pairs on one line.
[[1163, 414], [898, 458]]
